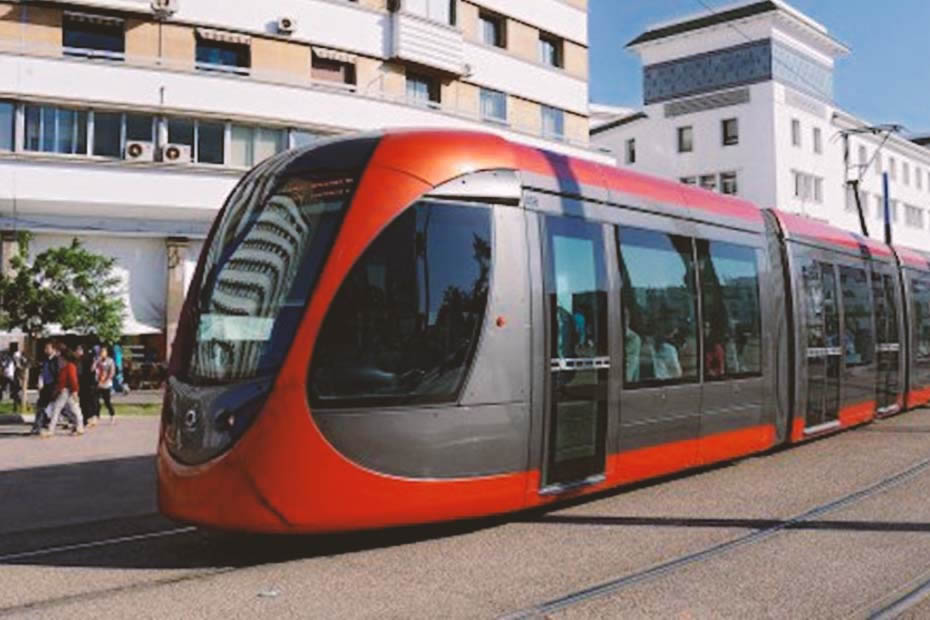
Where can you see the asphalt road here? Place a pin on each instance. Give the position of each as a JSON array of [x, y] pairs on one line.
[[800, 553]]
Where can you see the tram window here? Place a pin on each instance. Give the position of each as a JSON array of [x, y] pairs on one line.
[[821, 312], [731, 311], [659, 315], [922, 319], [858, 340], [405, 322], [885, 304]]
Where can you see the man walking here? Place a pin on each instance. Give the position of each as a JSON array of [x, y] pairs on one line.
[[20, 367], [66, 394], [87, 386], [106, 370], [48, 376]]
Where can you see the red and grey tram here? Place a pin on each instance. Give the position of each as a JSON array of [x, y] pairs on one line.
[[420, 326]]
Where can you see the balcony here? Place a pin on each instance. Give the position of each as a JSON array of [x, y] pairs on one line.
[[427, 42]]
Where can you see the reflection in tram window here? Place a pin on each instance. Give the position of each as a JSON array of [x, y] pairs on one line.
[[732, 321], [922, 320], [403, 327], [659, 307], [858, 342]]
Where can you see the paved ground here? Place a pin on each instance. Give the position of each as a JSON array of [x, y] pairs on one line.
[[848, 560]]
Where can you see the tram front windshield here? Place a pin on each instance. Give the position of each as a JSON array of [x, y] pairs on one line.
[[259, 271]]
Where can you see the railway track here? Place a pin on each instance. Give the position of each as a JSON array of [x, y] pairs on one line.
[[621, 582]]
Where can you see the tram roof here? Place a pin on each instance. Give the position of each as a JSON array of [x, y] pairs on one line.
[[436, 156], [800, 228], [913, 258]]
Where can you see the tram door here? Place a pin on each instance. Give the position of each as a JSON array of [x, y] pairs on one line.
[[888, 348], [824, 352], [579, 363]]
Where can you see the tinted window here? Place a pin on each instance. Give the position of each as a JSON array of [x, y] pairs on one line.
[[732, 317], [139, 127], [83, 37], [56, 130], [210, 139], [886, 312], [6, 126], [107, 134], [405, 322], [660, 336], [221, 56], [858, 340], [922, 319], [259, 270]]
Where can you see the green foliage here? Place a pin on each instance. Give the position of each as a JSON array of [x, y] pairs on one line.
[[69, 286]]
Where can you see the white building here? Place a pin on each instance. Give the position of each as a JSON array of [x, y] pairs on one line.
[[126, 122], [741, 101]]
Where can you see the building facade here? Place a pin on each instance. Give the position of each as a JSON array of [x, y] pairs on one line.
[[125, 123], [741, 101]]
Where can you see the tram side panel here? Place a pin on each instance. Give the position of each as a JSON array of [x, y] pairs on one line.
[[917, 298], [779, 331], [834, 330]]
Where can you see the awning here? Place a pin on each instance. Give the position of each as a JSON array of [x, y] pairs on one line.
[[334, 55], [141, 268], [90, 18], [224, 36]]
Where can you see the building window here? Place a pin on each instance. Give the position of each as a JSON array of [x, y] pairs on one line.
[[491, 28], [108, 134], [442, 11], [251, 145], [913, 216], [728, 183], [685, 139], [553, 123], [688, 180], [818, 140], [56, 130], [730, 130], [906, 173], [879, 207], [894, 210], [919, 178], [331, 66], [422, 89], [205, 140], [878, 163], [708, 182], [302, 137], [7, 125], [863, 157], [631, 151], [892, 169], [795, 132], [223, 51], [140, 128], [807, 187], [493, 105], [93, 36], [550, 50]]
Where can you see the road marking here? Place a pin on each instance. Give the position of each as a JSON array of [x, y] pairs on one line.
[[97, 543], [898, 607]]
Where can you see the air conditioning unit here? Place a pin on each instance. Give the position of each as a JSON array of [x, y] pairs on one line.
[[164, 8], [140, 151], [176, 153], [287, 25]]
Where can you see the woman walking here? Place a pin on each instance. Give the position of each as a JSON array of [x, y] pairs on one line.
[[106, 370]]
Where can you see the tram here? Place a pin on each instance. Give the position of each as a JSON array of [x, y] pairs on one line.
[[418, 326]]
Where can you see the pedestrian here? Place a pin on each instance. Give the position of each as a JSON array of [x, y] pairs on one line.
[[48, 376], [20, 368], [106, 370], [65, 396], [119, 384], [87, 386], [8, 368]]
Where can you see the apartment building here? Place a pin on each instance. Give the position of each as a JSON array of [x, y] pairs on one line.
[[126, 122], [741, 101]]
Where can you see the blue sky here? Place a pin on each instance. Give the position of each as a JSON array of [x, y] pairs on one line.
[[886, 78]]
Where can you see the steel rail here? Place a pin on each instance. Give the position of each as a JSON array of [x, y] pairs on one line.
[[614, 585]]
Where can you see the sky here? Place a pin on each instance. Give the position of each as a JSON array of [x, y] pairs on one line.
[[885, 79]]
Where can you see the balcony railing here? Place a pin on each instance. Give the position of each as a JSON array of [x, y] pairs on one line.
[[429, 43], [374, 90]]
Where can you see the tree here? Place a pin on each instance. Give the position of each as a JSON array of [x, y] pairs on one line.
[[68, 286]]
